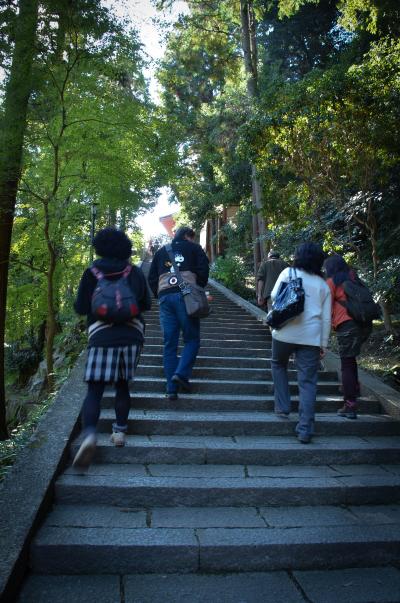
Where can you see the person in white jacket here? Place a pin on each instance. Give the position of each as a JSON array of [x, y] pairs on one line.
[[306, 335]]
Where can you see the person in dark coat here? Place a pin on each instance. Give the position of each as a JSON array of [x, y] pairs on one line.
[[194, 266], [113, 349], [267, 275]]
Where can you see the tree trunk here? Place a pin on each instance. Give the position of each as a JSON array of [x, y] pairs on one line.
[[222, 236], [256, 246], [123, 219], [13, 128], [62, 17], [387, 318], [112, 217], [51, 323], [373, 235], [249, 44], [208, 240], [257, 196], [51, 320], [213, 240]]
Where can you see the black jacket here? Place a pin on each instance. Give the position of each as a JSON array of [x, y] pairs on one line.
[[115, 335], [188, 256]]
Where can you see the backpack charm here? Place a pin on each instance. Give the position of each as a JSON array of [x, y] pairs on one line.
[[113, 301]]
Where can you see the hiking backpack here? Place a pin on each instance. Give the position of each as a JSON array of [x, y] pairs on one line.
[[359, 302], [113, 301]]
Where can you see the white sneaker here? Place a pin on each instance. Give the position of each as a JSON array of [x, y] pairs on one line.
[[86, 451], [118, 438]]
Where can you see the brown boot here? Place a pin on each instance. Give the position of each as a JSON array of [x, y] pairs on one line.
[[348, 410]]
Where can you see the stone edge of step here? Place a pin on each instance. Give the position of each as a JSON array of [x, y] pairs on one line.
[[34, 472]]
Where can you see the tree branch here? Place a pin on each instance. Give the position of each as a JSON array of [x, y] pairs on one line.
[[29, 191], [14, 260], [101, 121]]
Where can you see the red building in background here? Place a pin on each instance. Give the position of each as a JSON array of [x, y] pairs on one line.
[[169, 224]]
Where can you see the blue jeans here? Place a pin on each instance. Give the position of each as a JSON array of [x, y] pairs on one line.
[[174, 319], [307, 363]]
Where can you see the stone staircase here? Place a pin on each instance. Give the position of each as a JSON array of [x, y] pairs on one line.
[[216, 483]]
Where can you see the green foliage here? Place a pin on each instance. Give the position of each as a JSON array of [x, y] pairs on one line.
[[237, 233], [374, 16], [287, 8], [93, 137], [323, 132], [292, 47], [200, 74], [231, 271], [20, 437]]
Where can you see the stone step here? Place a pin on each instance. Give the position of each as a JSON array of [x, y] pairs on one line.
[[103, 516], [154, 330], [214, 361], [147, 422], [322, 586], [169, 550], [220, 402], [206, 327], [226, 386], [216, 349], [149, 491], [207, 471], [220, 372], [259, 339], [221, 318], [256, 450], [214, 482], [215, 305]]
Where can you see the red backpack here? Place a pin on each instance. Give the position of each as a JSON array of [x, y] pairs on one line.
[[113, 301]]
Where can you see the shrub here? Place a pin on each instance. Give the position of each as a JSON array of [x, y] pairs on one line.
[[231, 271]]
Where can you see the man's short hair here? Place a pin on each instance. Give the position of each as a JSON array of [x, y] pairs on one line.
[[273, 254], [184, 231]]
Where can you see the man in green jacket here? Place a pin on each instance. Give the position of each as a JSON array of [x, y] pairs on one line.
[[267, 276]]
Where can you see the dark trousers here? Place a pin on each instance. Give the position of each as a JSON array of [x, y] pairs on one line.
[[92, 402], [350, 337], [174, 319], [350, 383], [307, 363]]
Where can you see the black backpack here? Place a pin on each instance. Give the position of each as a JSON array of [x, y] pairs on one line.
[[360, 304], [113, 301]]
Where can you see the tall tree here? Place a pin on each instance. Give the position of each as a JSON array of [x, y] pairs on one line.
[[13, 125], [250, 53], [84, 117]]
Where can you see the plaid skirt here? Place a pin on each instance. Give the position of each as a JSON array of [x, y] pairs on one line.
[[112, 364]]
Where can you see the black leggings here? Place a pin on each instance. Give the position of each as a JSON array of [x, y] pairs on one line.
[[351, 386], [91, 405]]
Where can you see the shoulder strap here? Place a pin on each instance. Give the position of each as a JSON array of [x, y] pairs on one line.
[[168, 249], [97, 273], [182, 284], [127, 270], [100, 275]]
